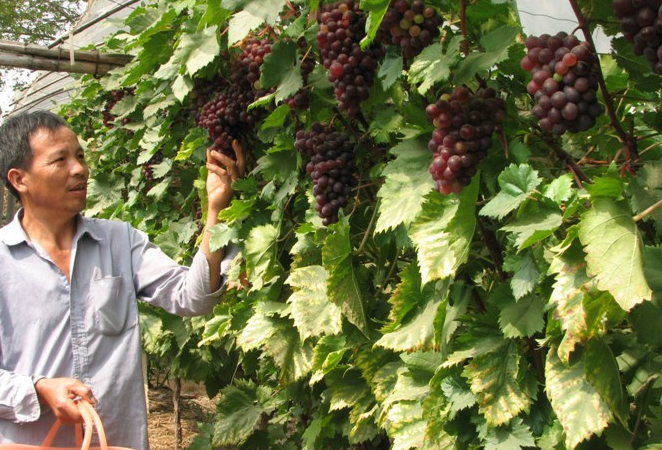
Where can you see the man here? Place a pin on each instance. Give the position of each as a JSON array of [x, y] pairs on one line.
[[69, 324]]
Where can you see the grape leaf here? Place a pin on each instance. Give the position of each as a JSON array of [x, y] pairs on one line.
[[496, 44], [525, 273], [293, 356], [406, 181], [608, 185], [386, 122], [239, 412], [443, 231], [567, 299], [458, 393], [603, 374], [343, 284], [241, 24], [433, 65], [515, 436], [613, 251], [577, 405], [260, 252], [390, 69], [416, 334], [196, 50], [517, 183], [531, 228], [312, 312], [646, 190], [493, 380]]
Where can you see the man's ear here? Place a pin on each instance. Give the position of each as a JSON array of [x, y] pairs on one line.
[[16, 178]]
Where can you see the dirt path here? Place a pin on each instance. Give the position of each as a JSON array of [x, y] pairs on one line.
[[195, 407]]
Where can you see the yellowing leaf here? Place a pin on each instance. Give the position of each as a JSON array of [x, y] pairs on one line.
[[613, 251]]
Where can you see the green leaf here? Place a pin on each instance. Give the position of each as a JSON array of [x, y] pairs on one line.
[[534, 226], [292, 355], [221, 235], [613, 251], [280, 69], [517, 183], [560, 189], [240, 410], [417, 333], [525, 276], [610, 185], [260, 251], [578, 406], [406, 181], [603, 374], [327, 355], [515, 436], [496, 44], [343, 285], [458, 393], [646, 190], [313, 313], [433, 65], [493, 380], [443, 232], [241, 24], [390, 69], [386, 122], [522, 317], [197, 50]]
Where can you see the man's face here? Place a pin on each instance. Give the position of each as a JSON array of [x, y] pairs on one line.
[[56, 179]]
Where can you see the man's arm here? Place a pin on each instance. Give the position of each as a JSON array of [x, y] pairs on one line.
[[222, 172]]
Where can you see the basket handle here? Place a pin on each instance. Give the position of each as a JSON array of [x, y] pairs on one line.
[[91, 418], [48, 440]]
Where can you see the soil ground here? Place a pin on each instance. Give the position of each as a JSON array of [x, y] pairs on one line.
[[195, 407]]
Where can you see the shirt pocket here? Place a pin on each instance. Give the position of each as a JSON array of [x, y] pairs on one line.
[[111, 306]]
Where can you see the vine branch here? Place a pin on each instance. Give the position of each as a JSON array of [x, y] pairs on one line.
[[579, 174]]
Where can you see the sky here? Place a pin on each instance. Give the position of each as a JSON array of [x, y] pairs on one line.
[[537, 17]]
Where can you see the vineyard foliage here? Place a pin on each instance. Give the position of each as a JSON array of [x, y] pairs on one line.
[[522, 312]]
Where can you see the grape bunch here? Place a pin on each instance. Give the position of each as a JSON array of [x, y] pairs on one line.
[[641, 23], [564, 82], [411, 26], [115, 96], [331, 167], [226, 118], [252, 56], [203, 90], [463, 125], [148, 169], [225, 115], [351, 69]]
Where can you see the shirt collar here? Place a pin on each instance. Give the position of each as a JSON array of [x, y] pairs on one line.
[[14, 234]]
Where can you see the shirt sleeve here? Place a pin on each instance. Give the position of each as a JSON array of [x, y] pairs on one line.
[[180, 290], [18, 397]]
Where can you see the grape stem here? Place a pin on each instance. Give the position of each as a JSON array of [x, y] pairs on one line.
[[647, 212], [630, 144], [493, 248], [463, 26], [578, 173]]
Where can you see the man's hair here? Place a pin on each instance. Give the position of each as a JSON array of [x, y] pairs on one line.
[[15, 134]]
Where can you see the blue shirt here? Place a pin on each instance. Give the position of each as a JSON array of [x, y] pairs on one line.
[[86, 328]]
